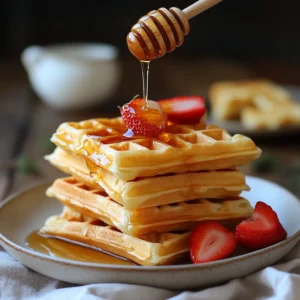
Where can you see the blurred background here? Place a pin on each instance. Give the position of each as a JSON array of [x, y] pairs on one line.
[[241, 30], [234, 40], [244, 37]]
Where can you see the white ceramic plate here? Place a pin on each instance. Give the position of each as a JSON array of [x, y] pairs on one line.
[[25, 212], [236, 127]]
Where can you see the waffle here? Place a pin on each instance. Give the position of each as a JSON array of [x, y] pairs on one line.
[[229, 99], [172, 217], [190, 148], [147, 250], [278, 117], [152, 191]]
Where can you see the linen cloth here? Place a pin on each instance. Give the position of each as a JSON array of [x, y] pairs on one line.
[[281, 281]]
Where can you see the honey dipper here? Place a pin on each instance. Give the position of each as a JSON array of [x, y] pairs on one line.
[[162, 30]]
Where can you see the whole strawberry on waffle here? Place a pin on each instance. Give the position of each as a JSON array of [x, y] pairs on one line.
[[144, 182]]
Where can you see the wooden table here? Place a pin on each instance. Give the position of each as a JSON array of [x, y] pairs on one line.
[[26, 124]]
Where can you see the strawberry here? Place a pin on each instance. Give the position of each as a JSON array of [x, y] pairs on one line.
[[211, 241], [142, 120], [262, 229], [184, 109]]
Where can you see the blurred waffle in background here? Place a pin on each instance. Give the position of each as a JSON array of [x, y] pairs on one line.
[[258, 104]]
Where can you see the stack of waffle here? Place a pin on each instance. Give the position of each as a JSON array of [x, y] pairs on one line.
[[139, 198]]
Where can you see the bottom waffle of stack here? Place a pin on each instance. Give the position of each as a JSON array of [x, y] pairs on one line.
[[148, 250], [148, 236]]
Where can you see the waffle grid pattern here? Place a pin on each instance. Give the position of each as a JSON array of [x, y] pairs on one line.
[[152, 191], [101, 192], [150, 250], [168, 217], [102, 142], [160, 237]]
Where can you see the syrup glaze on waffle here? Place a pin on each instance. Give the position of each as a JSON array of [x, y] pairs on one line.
[[172, 217], [152, 191], [148, 250], [190, 148]]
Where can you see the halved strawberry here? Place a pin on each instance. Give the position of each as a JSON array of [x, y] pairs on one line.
[[211, 241], [184, 109], [262, 229], [141, 120]]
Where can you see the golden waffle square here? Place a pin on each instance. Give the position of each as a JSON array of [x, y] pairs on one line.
[[152, 191], [190, 148], [228, 99], [277, 117], [172, 217], [148, 250]]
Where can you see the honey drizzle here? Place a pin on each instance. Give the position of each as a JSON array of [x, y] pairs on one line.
[[71, 251], [145, 65]]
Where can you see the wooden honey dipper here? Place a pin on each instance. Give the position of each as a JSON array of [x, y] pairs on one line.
[[162, 30]]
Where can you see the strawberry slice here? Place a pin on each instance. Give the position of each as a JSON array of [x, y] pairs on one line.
[[142, 120], [184, 109], [263, 229], [211, 241]]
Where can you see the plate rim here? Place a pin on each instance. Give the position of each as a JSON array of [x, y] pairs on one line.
[[137, 268]]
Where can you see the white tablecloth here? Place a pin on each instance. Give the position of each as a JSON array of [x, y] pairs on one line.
[[281, 282]]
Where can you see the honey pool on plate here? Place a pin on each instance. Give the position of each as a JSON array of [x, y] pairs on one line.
[[59, 248], [63, 249]]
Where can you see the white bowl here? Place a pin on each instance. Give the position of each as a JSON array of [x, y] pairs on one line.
[[72, 76]]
